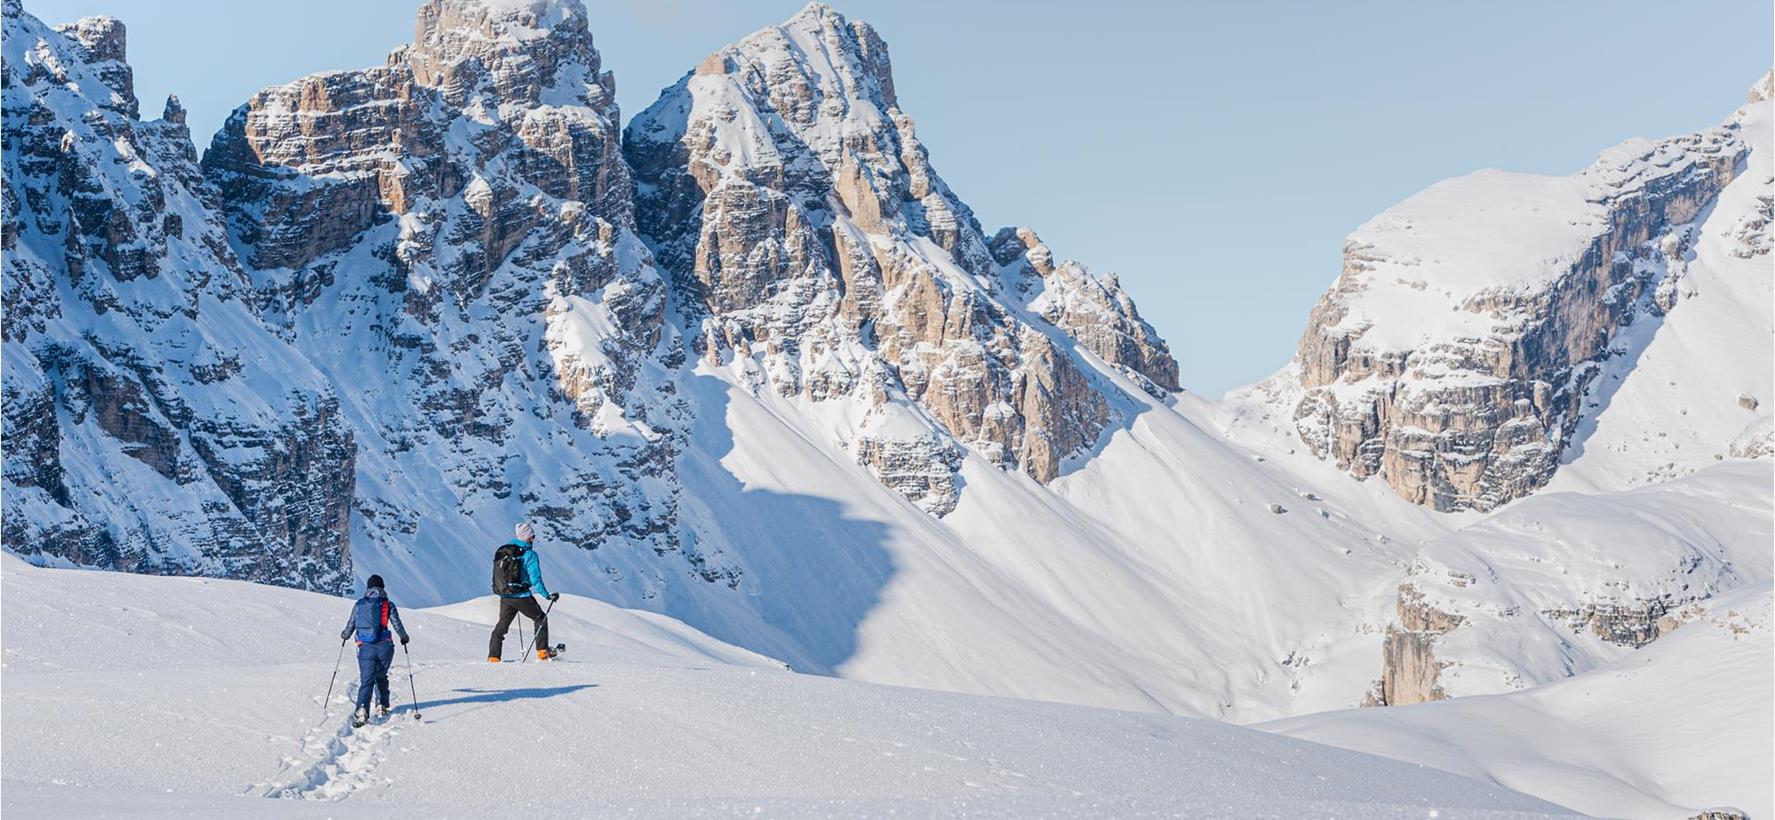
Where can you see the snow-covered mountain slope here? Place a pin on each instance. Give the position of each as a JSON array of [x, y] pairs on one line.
[[1683, 390], [1563, 582], [1667, 731], [1035, 591], [152, 423], [202, 697]]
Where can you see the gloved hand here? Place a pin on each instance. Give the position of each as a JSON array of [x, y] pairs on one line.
[[403, 640], [554, 596]]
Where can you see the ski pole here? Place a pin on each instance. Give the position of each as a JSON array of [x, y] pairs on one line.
[[539, 624], [335, 678], [521, 641], [410, 686]]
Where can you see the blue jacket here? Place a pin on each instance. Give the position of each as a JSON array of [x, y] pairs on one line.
[[373, 615], [532, 573]]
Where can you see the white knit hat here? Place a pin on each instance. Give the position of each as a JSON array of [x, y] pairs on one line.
[[525, 532]]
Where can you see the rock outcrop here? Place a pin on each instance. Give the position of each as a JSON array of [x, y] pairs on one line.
[[1410, 672], [152, 422], [787, 193], [1091, 308], [1452, 355]]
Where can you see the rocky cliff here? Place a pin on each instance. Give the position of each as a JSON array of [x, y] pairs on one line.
[[788, 194], [449, 236], [1452, 356], [152, 423]]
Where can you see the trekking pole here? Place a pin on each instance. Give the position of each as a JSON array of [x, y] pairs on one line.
[[335, 678], [410, 686], [538, 634], [521, 641]]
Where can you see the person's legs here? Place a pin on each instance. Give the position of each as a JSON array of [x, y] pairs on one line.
[[366, 674], [496, 644], [384, 659], [533, 611]]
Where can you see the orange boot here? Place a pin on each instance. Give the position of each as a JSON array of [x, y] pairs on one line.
[[493, 659]]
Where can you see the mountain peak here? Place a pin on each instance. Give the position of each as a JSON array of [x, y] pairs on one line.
[[815, 13], [105, 37], [823, 43], [523, 49]]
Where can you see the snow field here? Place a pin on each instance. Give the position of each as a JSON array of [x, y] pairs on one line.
[[195, 697]]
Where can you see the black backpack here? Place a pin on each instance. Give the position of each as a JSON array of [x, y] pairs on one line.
[[508, 571]]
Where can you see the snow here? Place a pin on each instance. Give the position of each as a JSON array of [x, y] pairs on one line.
[[1420, 264], [1669, 404], [1679, 726], [194, 697], [1677, 542]]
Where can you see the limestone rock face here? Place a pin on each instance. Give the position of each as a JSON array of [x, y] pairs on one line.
[[1410, 672], [917, 462], [152, 422], [104, 49], [1764, 88], [451, 235], [790, 198], [1452, 354], [1091, 308]]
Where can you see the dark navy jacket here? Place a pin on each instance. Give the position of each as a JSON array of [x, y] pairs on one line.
[[371, 618]]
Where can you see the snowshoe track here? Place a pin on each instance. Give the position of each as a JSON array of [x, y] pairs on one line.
[[337, 763]]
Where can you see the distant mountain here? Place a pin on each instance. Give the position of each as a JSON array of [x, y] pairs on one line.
[[751, 363], [1458, 353]]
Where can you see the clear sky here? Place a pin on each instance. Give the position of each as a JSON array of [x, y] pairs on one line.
[[1212, 154]]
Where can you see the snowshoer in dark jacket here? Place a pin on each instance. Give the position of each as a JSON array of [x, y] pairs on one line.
[[515, 585], [374, 622]]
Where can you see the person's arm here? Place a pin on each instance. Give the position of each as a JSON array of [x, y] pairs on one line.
[[394, 620], [533, 570], [349, 621]]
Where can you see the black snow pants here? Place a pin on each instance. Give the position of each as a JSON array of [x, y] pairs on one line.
[[510, 608]]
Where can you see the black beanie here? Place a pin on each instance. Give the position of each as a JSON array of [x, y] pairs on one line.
[[375, 581]]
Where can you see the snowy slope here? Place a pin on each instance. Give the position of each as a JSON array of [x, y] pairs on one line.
[[1679, 726], [1151, 576], [1563, 582], [201, 698], [1683, 390]]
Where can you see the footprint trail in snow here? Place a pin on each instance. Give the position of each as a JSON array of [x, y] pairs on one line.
[[337, 763]]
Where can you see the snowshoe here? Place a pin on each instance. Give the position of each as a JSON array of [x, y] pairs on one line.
[[359, 718], [546, 654], [383, 712]]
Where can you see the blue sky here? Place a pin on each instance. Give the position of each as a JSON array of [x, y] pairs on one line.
[[1212, 154]]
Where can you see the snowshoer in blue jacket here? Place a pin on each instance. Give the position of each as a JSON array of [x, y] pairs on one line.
[[517, 575], [374, 622]]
